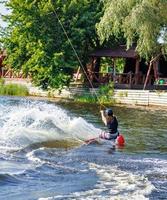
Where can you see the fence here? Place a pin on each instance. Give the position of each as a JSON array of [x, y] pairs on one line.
[[9, 73], [140, 97]]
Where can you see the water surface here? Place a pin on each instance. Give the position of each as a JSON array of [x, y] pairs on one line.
[[43, 154]]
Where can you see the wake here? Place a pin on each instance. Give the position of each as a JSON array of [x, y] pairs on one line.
[[27, 122]]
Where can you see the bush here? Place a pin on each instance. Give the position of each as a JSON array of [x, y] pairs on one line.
[[13, 90], [2, 81], [106, 93], [103, 96]]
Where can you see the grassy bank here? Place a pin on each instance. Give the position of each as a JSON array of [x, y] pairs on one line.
[[13, 89]]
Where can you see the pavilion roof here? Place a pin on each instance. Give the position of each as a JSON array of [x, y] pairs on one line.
[[117, 52]]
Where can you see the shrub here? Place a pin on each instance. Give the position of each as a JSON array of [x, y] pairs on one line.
[[2, 81], [103, 96], [106, 93], [13, 90]]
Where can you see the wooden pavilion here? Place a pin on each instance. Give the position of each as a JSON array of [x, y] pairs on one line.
[[136, 73]]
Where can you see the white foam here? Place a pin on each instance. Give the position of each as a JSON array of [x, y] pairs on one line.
[[32, 157], [82, 130], [113, 184], [31, 122], [158, 165], [119, 184]]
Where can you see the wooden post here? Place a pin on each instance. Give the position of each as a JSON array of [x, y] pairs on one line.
[[148, 74], [130, 80], [77, 74], [137, 71], [114, 70], [149, 69], [97, 68], [155, 67], [90, 69], [3, 72]]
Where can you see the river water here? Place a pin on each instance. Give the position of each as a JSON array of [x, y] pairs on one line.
[[43, 155]]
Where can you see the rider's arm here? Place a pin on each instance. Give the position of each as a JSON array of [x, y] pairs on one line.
[[103, 117]]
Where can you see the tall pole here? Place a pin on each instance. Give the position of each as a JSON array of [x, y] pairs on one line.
[[148, 74], [149, 70]]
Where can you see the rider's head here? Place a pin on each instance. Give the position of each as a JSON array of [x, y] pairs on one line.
[[109, 112]]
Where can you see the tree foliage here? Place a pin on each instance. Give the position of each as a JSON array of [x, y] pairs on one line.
[[143, 22], [36, 44]]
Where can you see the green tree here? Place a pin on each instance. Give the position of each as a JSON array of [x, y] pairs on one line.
[[36, 43], [143, 22], [80, 18]]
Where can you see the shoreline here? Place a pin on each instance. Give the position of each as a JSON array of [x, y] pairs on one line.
[[142, 99], [72, 101]]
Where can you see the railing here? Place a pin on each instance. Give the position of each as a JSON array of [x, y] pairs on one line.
[[120, 78], [9, 73], [100, 78]]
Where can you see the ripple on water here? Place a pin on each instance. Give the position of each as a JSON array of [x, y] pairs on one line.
[[113, 184], [9, 179]]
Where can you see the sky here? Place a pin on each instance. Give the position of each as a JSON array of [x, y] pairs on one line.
[[3, 11]]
